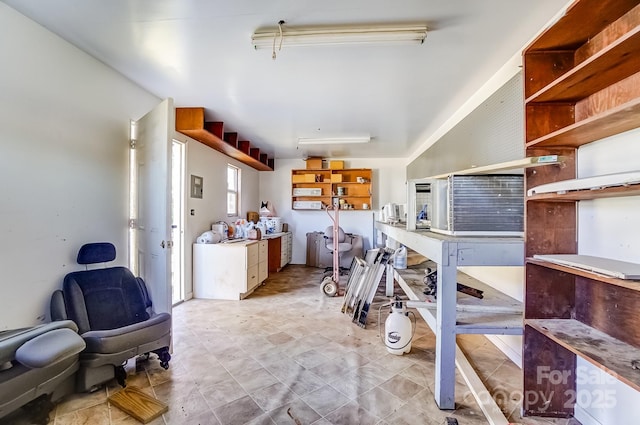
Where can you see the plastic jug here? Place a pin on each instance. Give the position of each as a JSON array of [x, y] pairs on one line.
[[398, 330], [400, 260]]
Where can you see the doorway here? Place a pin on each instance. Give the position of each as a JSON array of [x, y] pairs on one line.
[[177, 220]]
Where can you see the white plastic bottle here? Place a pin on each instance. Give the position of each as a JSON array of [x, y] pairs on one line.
[[397, 328], [400, 260]]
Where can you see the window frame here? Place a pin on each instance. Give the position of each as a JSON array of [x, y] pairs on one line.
[[235, 191]]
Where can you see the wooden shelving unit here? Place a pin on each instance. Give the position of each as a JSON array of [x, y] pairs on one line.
[[191, 122], [582, 84], [327, 181]]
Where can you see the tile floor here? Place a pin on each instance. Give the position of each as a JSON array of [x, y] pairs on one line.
[[287, 355]]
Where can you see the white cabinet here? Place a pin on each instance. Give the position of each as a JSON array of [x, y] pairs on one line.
[[286, 242], [229, 271]]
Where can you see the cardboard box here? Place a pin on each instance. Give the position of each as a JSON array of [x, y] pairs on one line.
[[314, 163], [303, 178], [336, 165], [336, 178]]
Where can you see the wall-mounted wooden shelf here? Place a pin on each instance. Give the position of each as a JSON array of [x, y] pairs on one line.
[[191, 122], [592, 75], [581, 84], [356, 194]]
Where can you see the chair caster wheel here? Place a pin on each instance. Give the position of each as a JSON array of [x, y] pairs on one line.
[[164, 358], [121, 376]]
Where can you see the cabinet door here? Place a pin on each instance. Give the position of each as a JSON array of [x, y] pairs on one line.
[[263, 250], [289, 246], [219, 271], [284, 248], [252, 278], [263, 271], [252, 255]]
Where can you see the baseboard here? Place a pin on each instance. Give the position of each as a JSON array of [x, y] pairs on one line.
[[584, 417], [514, 356]]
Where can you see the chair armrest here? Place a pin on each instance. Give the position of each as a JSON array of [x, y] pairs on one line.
[[10, 341], [50, 348]]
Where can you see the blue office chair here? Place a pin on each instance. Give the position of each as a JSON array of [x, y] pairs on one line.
[[114, 315]]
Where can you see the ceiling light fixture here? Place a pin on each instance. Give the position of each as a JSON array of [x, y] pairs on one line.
[[332, 35], [333, 140]]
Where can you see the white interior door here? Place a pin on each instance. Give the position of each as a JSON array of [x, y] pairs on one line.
[[152, 221]]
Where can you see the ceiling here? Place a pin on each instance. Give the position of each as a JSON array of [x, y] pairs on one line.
[[199, 53]]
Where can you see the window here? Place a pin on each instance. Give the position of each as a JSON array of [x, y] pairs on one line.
[[233, 190]]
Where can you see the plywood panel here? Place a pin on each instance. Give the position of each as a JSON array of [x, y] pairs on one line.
[[138, 404], [549, 294], [611, 309], [546, 118], [551, 228], [549, 376]]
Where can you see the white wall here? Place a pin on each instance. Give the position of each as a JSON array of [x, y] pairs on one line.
[[64, 125], [608, 228], [211, 165], [388, 181]]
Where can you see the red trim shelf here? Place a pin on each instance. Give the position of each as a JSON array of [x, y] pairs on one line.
[[190, 122]]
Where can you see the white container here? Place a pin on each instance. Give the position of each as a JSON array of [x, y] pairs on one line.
[[400, 260], [221, 229], [397, 330], [307, 205], [272, 224], [307, 191]]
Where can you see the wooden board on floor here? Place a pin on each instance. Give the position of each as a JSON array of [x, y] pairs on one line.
[[138, 404]]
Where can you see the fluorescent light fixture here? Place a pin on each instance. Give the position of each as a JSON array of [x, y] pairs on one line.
[[309, 36], [333, 140]]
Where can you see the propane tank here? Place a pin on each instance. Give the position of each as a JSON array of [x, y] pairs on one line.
[[398, 334]]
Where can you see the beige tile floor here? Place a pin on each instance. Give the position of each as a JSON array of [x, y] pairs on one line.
[[287, 355]]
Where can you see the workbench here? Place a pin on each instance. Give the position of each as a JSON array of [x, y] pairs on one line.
[[449, 253]]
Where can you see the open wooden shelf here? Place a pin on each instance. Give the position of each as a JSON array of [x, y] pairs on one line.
[[634, 285], [598, 348], [589, 194], [612, 121], [580, 22], [613, 63], [191, 122]]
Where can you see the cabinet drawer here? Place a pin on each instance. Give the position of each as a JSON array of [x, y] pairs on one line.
[[263, 247], [252, 255], [263, 271], [252, 277]]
